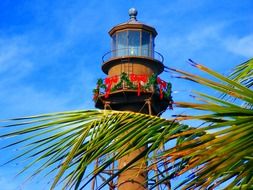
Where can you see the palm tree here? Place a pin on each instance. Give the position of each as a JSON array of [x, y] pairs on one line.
[[69, 142], [219, 153], [224, 154]]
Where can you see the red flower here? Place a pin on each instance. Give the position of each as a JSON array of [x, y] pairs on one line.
[[138, 79], [108, 82], [162, 86]]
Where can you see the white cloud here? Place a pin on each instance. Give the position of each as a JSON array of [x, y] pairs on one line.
[[22, 56], [14, 59], [19, 94], [193, 41], [240, 45], [213, 37], [201, 36], [25, 99]]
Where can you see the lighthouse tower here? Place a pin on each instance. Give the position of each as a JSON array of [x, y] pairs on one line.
[[133, 84]]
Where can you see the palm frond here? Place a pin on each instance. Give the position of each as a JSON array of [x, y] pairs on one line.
[[65, 144], [221, 156], [220, 152], [243, 73]]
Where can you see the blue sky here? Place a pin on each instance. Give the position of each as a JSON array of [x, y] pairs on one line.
[[50, 51]]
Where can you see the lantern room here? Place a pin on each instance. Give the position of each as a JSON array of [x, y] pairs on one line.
[[134, 42], [137, 40], [132, 45]]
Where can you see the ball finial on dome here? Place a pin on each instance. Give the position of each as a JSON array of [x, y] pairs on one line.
[[133, 13]]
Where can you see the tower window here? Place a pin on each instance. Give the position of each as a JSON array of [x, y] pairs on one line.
[[132, 43], [145, 44]]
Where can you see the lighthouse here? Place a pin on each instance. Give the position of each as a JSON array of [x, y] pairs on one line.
[[133, 84]]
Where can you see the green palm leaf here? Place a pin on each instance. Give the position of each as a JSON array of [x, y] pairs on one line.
[[65, 144], [223, 154], [217, 154], [243, 73]]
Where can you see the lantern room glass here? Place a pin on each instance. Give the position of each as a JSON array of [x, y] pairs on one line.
[[146, 44], [133, 43]]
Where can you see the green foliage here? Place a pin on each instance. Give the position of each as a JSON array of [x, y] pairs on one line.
[[224, 154], [66, 143], [124, 78], [168, 91], [218, 152], [243, 73], [151, 82]]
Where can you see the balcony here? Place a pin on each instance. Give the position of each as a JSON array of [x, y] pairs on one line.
[[139, 84]]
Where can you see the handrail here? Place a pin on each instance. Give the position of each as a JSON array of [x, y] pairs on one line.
[[136, 52]]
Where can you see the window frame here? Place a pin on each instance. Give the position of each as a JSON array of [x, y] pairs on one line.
[[151, 44]]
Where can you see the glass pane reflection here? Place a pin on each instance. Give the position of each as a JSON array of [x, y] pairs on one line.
[[133, 42], [145, 46], [121, 44]]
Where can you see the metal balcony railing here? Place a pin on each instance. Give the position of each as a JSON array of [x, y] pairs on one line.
[[132, 52]]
